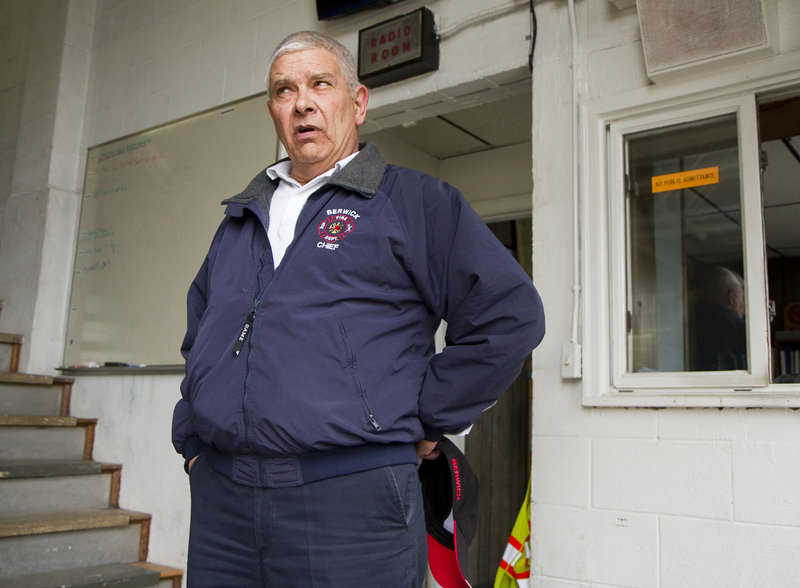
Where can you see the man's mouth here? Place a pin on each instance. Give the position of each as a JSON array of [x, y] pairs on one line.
[[305, 131]]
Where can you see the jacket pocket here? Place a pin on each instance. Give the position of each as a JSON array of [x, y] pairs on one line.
[[352, 365]]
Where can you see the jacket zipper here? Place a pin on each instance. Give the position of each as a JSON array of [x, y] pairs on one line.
[[248, 326], [243, 336], [361, 394]]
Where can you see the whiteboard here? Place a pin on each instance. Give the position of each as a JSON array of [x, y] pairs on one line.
[[149, 210]]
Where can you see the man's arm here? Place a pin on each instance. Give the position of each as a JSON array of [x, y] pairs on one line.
[[184, 438], [494, 314]]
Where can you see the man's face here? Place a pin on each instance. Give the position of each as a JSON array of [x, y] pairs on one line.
[[315, 116]]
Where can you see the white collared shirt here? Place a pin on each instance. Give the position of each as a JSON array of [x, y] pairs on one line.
[[287, 202]]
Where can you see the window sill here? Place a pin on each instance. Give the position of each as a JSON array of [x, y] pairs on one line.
[[773, 396]]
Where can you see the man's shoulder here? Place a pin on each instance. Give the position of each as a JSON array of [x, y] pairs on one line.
[[409, 183]]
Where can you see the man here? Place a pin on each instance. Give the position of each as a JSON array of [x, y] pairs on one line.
[[720, 334], [311, 383]]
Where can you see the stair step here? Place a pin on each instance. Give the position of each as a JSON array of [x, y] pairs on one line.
[[14, 524], [35, 543], [61, 525], [33, 420], [105, 576], [25, 437], [170, 577], [43, 468], [10, 338], [31, 379], [47, 486], [35, 394]]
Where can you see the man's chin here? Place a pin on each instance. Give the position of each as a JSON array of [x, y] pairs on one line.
[[309, 153]]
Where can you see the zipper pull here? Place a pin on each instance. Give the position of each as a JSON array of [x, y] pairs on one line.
[[374, 423], [248, 325]]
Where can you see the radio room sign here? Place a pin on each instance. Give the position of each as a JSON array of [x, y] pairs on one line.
[[397, 49]]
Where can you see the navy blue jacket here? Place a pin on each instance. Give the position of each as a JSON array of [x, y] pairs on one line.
[[336, 346]]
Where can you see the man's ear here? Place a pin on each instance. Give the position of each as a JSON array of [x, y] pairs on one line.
[[730, 297], [361, 98]]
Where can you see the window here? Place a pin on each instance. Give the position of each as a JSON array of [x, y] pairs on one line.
[[698, 301], [685, 291], [780, 161]]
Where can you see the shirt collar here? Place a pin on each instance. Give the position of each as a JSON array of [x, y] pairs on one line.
[[283, 170]]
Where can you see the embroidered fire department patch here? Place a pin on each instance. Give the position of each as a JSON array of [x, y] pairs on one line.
[[335, 227]]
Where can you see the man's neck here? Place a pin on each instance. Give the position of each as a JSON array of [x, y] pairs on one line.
[[302, 174]]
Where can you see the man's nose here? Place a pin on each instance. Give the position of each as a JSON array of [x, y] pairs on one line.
[[304, 102]]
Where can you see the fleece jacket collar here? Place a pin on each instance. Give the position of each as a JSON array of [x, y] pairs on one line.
[[362, 175]]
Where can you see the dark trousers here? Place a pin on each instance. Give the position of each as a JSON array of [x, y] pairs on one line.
[[359, 530]]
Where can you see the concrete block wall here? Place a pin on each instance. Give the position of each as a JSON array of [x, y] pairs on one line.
[[43, 105], [677, 507], [672, 498], [14, 33], [154, 62]]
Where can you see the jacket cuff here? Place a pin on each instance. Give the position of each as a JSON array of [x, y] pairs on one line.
[[432, 434], [193, 447]]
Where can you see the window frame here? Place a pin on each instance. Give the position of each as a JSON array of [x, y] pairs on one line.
[[757, 375], [603, 256]]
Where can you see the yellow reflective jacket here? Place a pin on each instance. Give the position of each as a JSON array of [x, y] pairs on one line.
[[515, 568]]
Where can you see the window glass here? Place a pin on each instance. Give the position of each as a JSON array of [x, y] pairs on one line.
[[685, 291], [779, 122]]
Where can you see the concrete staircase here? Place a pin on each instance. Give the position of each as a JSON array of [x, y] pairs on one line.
[[60, 521]]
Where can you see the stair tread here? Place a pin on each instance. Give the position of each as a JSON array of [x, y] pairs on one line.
[[24, 420], [46, 468], [20, 378], [166, 572], [108, 575], [16, 524], [33, 379], [10, 338]]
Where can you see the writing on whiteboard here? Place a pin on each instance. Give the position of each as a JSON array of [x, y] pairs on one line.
[[94, 234], [124, 149], [94, 249], [106, 191], [97, 266], [130, 162]]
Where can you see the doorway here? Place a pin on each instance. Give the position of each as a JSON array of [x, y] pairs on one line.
[[485, 151], [499, 446]]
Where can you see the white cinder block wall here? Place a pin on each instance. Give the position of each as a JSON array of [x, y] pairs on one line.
[[45, 66], [672, 498]]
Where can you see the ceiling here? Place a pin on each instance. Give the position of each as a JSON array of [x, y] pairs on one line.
[[476, 128], [781, 187]]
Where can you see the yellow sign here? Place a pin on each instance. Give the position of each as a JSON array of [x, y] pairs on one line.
[[689, 179]]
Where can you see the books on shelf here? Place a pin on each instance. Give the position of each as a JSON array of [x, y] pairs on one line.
[[789, 360], [788, 348]]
